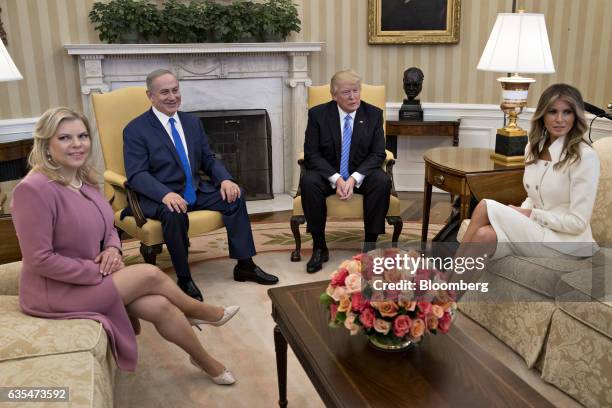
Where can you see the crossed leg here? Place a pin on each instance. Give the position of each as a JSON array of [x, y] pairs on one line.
[[150, 294], [479, 231], [479, 240]]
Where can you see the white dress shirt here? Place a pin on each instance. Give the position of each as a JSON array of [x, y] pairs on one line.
[[357, 176], [165, 121]]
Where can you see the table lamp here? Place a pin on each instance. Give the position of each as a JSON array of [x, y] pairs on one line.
[[8, 70], [518, 44]]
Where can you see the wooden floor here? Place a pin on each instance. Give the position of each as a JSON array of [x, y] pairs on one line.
[[410, 201]]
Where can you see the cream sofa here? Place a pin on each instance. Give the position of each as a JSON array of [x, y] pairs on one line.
[[557, 314], [53, 353]]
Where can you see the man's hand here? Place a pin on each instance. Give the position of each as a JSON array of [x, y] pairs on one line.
[[229, 191], [175, 202], [110, 261], [344, 189], [524, 211]]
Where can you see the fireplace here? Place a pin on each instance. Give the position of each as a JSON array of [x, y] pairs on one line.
[[216, 76], [241, 140]]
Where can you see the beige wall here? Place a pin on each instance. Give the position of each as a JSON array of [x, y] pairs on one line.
[[580, 43]]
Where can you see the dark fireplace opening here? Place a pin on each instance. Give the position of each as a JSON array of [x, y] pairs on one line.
[[241, 140]]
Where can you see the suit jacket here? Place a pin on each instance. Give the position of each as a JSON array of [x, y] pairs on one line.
[[153, 167], [562, 200], [323, 141]]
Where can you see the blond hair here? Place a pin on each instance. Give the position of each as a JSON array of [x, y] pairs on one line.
[[574, 137], [347, 76], [40, 160]]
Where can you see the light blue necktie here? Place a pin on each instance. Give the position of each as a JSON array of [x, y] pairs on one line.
[[347, 132], [189, 194]]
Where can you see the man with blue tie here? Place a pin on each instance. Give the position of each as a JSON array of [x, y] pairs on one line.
[[164, 150], [344, 149]]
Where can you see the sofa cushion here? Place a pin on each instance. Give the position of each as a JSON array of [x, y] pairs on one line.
[[537, 274], [586, 295], [9, 278], [522, 325], [578, 361], [26, 336], [601, 219], [88, 380]]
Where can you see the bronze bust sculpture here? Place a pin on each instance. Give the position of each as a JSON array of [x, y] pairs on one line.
[[413, 84]]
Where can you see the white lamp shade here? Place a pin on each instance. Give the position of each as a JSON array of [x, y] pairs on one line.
[[8, 70], [518, 43]]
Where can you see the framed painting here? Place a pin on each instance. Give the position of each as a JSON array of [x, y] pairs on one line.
[[413, 21]]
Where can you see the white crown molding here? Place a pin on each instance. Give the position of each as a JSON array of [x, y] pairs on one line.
[[201, 48]]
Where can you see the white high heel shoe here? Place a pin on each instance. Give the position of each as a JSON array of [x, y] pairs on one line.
[[228, 313], [225, 378]]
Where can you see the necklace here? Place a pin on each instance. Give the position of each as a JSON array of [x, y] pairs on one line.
[[76, 186]]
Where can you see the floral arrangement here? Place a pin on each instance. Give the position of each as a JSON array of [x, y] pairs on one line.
[[390, 317]]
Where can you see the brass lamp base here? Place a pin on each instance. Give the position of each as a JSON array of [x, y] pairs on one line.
[[510, 147]]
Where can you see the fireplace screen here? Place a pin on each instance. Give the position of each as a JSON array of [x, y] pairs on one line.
[[241, 139]]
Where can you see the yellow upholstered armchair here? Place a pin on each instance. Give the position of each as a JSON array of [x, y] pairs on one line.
[[336, 208], [113, 111]]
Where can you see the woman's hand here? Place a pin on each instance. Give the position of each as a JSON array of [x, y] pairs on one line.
[[110, 261], [526, 212]]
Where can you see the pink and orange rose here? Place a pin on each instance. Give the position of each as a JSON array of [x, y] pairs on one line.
[[401, 325], [367, 317], [391, 316]]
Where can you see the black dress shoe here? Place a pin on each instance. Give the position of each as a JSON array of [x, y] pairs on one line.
[[190, 288], [316, 260], [255, 274]]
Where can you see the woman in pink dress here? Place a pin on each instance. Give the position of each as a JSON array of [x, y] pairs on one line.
[[72, 264]]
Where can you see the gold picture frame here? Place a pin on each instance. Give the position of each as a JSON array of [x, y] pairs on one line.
[[413, 21]]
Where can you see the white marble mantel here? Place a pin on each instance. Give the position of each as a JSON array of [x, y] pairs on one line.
[[271, 76]]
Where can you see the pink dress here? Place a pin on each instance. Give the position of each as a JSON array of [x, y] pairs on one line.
[[60, 233]]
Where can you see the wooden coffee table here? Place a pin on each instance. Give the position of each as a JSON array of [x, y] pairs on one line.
[[444, 371]]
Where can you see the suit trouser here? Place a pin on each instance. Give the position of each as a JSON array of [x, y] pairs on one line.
[[375, 189], [235, 217]]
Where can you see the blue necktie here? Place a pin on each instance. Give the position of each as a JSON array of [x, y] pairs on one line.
[[189, 194], [347, 132]]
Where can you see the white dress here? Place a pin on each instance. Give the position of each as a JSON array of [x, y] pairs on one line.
[[561, 203]]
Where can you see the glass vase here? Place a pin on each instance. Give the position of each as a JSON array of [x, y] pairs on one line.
[[390, 347]]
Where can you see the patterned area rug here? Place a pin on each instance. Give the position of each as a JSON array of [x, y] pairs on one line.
[[277, 236]]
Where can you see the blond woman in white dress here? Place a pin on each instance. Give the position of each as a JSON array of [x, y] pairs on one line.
[[561, 176]]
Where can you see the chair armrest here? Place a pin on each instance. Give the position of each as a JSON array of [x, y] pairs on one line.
[[302, 171], [505, 187], [388, 168], [120, 184], [115, 179]]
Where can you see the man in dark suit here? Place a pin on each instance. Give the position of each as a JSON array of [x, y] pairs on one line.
[[160, 148], [344, 149]]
